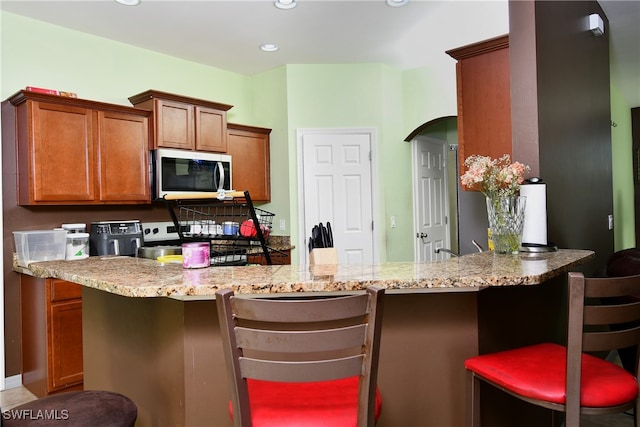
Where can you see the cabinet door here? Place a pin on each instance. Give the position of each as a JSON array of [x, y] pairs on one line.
[[174, 124], [211, 125], [33, 334], [277, 258], [65, 345], [61, 153], [484, 99], [123, 153], [249, 150]]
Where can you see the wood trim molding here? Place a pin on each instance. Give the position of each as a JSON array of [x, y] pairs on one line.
[[479, 48]]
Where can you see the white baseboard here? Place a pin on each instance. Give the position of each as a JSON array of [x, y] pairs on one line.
[[13, 381]]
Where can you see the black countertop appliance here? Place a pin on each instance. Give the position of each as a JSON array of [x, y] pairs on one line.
[[115, 237]]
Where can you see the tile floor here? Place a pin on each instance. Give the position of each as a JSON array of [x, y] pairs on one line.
[[617, 420], [15, 396], [19, 395]]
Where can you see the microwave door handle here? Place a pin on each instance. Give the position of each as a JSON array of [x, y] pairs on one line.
[[220, 169]]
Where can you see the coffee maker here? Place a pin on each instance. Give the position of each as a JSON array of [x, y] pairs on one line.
[[115, 237]]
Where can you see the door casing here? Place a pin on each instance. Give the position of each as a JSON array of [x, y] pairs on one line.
[[303, 233]]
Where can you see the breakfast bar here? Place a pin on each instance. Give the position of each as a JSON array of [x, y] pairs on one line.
[[150, 330]]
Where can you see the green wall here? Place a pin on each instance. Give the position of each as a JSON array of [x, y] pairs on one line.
[[622, 159], [429, 93], [35, 53], [359, 96], [269, 91]]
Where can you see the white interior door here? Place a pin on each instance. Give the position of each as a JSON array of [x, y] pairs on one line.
[[337, 187], [431, 222]]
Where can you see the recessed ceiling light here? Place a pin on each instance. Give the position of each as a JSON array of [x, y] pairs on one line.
[[269, 47], [285, 4], [397, 3], [129, 2]]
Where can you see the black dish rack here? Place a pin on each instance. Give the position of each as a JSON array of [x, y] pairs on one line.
[[201, 220]]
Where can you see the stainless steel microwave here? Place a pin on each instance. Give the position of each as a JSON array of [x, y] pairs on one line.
[[179, 172]]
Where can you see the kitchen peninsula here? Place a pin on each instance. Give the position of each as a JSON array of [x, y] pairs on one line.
[[151, 332]]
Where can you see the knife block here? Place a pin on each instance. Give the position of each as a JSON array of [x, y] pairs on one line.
[[323, 263], [323, 256]]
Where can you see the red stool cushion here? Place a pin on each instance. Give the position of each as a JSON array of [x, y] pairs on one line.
[[326, 403], [539, 372]]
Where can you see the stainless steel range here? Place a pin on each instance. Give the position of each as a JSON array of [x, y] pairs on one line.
[[160, 233], [164, 235]]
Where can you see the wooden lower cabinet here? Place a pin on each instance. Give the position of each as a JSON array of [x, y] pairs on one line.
[[277, 258], [51, 313]]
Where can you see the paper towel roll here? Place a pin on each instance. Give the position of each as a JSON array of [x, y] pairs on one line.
[[535, 213], [534, 266]]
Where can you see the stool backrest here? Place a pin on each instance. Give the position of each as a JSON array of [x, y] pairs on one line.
[[604, 315], [301, 340]]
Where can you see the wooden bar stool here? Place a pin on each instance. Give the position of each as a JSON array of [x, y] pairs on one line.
[[74, 409], [302, 362], [566, 378]]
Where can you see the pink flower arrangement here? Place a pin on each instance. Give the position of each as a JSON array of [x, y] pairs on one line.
[[493, 177]]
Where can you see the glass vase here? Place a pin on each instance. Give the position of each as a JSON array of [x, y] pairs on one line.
[[506, 221]]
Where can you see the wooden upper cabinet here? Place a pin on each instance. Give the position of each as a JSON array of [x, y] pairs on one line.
[[210, 130], [185, 123], [173, 124], [484, 99], [73, 151], [59, 154], [123, 142], [249, 149]]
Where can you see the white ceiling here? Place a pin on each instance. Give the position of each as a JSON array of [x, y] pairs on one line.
[[226, 34]]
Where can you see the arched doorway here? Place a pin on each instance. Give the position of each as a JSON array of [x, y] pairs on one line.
[[435, 188], [467, 213]]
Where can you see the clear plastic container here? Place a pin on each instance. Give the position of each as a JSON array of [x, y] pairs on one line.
[[40, 245]]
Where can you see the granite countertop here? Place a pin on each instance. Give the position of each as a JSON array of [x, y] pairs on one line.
[[277, 243], [137, 277]]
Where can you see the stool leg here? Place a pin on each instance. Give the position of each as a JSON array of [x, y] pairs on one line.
[[473, 400]]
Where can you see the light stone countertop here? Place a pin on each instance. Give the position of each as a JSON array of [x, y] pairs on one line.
[[138, 277]]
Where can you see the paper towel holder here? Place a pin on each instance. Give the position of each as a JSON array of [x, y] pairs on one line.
[[538, 247], [534, 180]]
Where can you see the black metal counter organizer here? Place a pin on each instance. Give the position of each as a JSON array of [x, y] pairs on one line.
[[233, 226]]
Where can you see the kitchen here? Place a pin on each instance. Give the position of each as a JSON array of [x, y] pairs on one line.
[[230, 88]]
